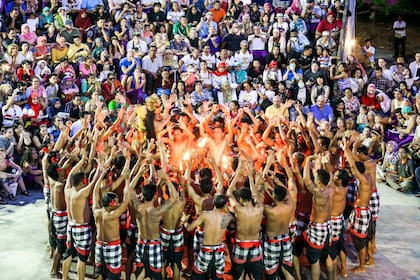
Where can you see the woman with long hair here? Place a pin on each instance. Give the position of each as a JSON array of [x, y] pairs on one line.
[[135, 87], [31, 167]]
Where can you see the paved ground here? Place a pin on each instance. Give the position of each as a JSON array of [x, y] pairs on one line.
[[24, 253]]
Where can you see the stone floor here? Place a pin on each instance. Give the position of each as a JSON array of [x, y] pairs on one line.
[[24, 253]]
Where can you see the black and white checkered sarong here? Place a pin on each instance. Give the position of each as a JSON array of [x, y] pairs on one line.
[[244, 250], [374, 205], [336, 227], [110, 254], [80, 236], [175, 237], [59, 224], [359, 221], [317, 234], [205, 257], [149, 252], [277, 249]]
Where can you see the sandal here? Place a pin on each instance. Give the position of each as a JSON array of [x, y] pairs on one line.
[[26, 193], [12, 197]]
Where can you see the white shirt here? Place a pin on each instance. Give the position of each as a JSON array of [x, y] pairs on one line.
[[10, 115], [400, 24], [246, 98], [140, 47], [244, 58], [152, 66], [209, 59], [256, 43], [414, 66]]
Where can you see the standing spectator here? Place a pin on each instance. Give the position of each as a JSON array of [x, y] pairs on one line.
[[399, 36]]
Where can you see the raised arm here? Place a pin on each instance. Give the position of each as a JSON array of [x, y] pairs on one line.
[[76, 168]]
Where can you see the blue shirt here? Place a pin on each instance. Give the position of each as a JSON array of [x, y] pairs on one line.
[[125, 63], [325, 114]]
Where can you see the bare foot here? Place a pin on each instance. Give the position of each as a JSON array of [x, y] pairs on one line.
[[358, 269], [343, 273], [56, 275], [370, 263]]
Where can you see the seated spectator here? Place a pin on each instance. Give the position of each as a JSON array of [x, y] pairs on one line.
[[41, 50], [330, 24], [52, 35], [404, 133], [33, 112], [41, 136], [83, 22], [415, 69], [136, 87], [403, 179], [59, 50], [11, 112], [31, 169], [200, 94], [68, 88], [12, 175], [55, 129], [28, 36], [110, 86], [390, 160], [226, 94], [13, 57], [78, 51], [322, 111], [369, 98], [25, 72], [54, 108], [46, 19], [74, 107], [42, 71], [296, 44], [52, 87]]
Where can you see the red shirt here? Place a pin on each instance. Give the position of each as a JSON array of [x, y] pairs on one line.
[[324, 25], [370, 101]]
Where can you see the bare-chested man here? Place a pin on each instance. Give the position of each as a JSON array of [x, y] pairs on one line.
[[319, 229], [172, 236], [148, 216], [59, 217], [303, 212], [106, 211], [247, 252], [360, 217], [340, 186], [278, 256], [179, 143], [362, 154], [217, 139], [215, 223], [79, 234]]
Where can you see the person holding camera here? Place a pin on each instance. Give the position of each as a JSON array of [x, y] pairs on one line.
[[296, 44], [312, 15]]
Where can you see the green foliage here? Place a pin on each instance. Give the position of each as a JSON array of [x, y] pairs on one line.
[[387, 7]]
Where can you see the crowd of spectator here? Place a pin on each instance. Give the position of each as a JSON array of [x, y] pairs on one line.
[[253, 74]]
